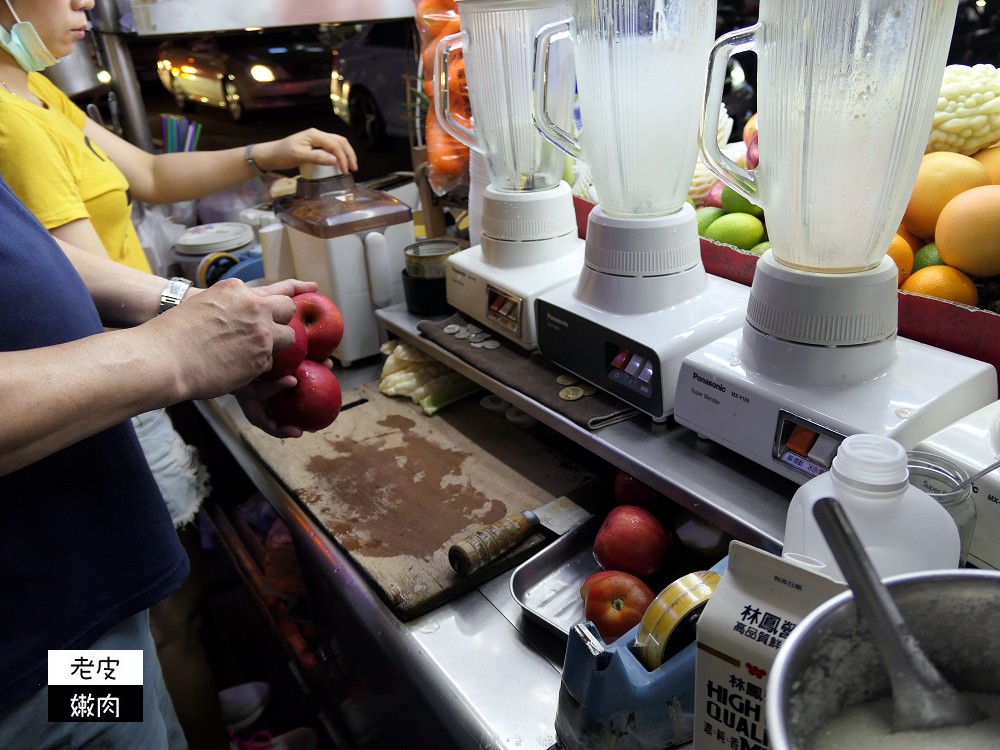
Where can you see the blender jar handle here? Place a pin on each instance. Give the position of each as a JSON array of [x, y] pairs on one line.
[[543, 122], [442, 98], [740, 179]]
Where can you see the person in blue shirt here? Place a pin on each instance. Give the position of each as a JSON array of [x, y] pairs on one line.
[[88, 544]]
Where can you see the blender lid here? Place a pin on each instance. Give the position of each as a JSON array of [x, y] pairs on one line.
[[212, 238], [333, 205]]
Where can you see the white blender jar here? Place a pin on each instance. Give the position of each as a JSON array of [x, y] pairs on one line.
[[846, 93], [530, 241], [643, 299]]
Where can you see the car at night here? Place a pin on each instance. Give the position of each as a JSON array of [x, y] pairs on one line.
[[372, 72], [246, 72]]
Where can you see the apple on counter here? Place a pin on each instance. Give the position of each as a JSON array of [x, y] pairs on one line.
[[632, 540]]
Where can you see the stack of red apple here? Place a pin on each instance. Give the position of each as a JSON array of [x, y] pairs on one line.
[[637, 551], [314, 401], [631, 547]]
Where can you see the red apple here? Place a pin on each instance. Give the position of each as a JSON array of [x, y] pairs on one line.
[[714, 195], [753, 156], [287, 361], [630, 491], [313, 403], [632, 540], [750, 129], [323, 321]]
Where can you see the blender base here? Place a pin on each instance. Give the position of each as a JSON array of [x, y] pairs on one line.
[[502, 298], [795, 430], [636, 357]]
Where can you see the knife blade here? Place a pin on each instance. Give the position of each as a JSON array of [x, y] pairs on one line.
[[493, 541]]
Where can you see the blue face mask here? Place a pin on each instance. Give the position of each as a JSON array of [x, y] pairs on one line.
[[24, 45]]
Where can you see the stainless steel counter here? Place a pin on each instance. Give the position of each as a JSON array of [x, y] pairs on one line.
[[476, 673], [471, 674]]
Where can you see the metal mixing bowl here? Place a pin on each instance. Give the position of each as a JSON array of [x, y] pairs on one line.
[[829, 662]]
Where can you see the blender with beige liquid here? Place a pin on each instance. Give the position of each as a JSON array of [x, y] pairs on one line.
[[846, 93]]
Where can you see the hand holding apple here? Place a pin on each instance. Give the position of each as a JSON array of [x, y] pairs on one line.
[[313, 403], [323, 322], [287, 361]]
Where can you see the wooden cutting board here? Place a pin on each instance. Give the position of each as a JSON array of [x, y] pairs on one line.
[[395, 488]]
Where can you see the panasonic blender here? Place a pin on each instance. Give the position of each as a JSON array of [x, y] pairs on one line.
[[643, 299], [529, 241], [846, 93]]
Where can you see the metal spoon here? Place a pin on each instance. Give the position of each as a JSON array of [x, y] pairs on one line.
[[974, 477], [922, 698]]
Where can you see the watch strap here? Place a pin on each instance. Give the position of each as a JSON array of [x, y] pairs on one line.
[[248, 158], [173, 293]]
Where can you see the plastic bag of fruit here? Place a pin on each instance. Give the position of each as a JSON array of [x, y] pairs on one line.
[[447, 158]]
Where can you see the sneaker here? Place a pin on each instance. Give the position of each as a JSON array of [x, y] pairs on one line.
[[243, 704], [301, 738]]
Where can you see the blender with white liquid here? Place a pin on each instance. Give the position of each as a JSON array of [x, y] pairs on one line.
[[643, 299], [529, 239], [846, 93]]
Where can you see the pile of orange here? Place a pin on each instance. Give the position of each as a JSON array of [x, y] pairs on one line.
[[954, 208]]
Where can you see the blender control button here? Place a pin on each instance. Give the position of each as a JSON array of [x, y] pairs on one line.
[[801, 440], [824, 450], [634, 365], [621, 359], [647, 371]]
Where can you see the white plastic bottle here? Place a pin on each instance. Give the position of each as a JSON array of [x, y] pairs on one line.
[[903, 529]]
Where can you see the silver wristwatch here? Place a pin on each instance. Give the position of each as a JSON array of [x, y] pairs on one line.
[[173, 293]]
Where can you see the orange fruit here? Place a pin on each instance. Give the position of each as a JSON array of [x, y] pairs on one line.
[[914, 242], [902, 255], [990, 158], [943, 282], [942, 176], [968, 231]]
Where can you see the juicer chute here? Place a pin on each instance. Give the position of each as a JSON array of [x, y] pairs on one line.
[[842, 129]]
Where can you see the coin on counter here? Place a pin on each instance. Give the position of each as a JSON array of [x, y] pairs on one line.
[[491, 344], [588, 390], [462, 333], [479, 337], [571, 393], [452, 328], [474, 328], [566, 379], [476, 344]]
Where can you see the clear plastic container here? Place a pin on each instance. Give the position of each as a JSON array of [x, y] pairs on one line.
[[903, 529], [940, 478]]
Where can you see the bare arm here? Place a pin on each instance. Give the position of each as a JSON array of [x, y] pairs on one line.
[[165, 178], [218, 341]]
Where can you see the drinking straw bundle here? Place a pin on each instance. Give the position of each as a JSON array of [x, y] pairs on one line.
[[179, 134]]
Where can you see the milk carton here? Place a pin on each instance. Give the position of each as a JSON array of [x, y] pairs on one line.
[[758, 602]]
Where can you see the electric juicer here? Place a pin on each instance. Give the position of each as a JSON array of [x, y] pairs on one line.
[[846, 93], [642, 300], [530, 241]]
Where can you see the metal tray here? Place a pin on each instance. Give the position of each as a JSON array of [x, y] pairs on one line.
[[547, 586]]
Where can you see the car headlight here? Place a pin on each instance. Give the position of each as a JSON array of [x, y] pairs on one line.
[[262, 74]]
